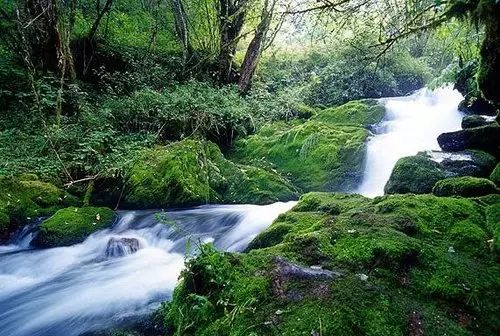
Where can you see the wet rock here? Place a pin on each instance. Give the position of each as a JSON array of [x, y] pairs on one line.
[[486, 138], [465, 186], [119, 247], [476, 105], [477, 121], [294, 282]]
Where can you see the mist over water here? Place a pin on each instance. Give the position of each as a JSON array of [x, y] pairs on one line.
[[97, 284], [411, 124]]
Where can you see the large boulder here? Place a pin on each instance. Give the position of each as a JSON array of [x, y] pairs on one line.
[[418, 174], [192, 172], [477, 105], [374, 267], [72, 226], [415, 174], [466, 186], [24, 199], [486, 138]]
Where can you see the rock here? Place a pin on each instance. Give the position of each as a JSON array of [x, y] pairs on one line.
[[119, 247], [192, 172], [465, 163], [465, 186], [477, 121], [24, 199], [477, 105], [415, 174], [72, 226], [495, 175], [366, 112], [486, 138], [314, 155]]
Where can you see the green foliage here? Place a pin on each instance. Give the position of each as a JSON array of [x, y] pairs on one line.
[[333, 78], [72, 225], [465, 186], [358, 112], [22, 200]]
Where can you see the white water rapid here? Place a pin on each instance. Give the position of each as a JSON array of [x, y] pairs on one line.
[[411, 124], [116, 274]]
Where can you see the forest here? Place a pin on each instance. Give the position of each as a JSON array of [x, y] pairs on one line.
[[249, 167]]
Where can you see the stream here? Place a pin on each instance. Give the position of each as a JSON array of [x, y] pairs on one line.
[[126, 271], [115, 274], [411, 125]]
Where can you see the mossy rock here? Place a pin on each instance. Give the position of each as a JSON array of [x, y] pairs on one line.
[[24, 200], [382, 266], [192, 172], [414, 174], [466, 186], [475, 121], [358, 112], [313, 155], [495, 175], [73, 225], [485, 138]]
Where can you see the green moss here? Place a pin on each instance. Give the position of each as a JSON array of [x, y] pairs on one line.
[[23, 200], [400, 263], [495, 175], [193, 172], [359, 112], [414, 174], [72, 225], [465, 186], [314, 155]]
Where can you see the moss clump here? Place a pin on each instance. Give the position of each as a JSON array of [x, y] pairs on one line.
[[393, 265], [358, 112], [495, 175], [72, 225], [192, 172], [314, 155], [414, 174], [465, 186], [23, 200]]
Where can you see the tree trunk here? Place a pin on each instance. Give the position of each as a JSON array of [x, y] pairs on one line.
[[181, 28], [231, 19], [254, 50]]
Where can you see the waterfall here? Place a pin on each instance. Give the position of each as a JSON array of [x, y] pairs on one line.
[[118, 274], [411, 124]]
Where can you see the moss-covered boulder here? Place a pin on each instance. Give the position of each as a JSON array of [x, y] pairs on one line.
[[192, 172], [414, 174], [22, 200], [495, 175], [347, 265], [486, 138], [314, 155], [467, 163], [364, 113], [466, 186], [72, 225]]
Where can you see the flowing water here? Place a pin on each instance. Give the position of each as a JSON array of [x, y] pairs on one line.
[[116, 274], [411, 124]]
